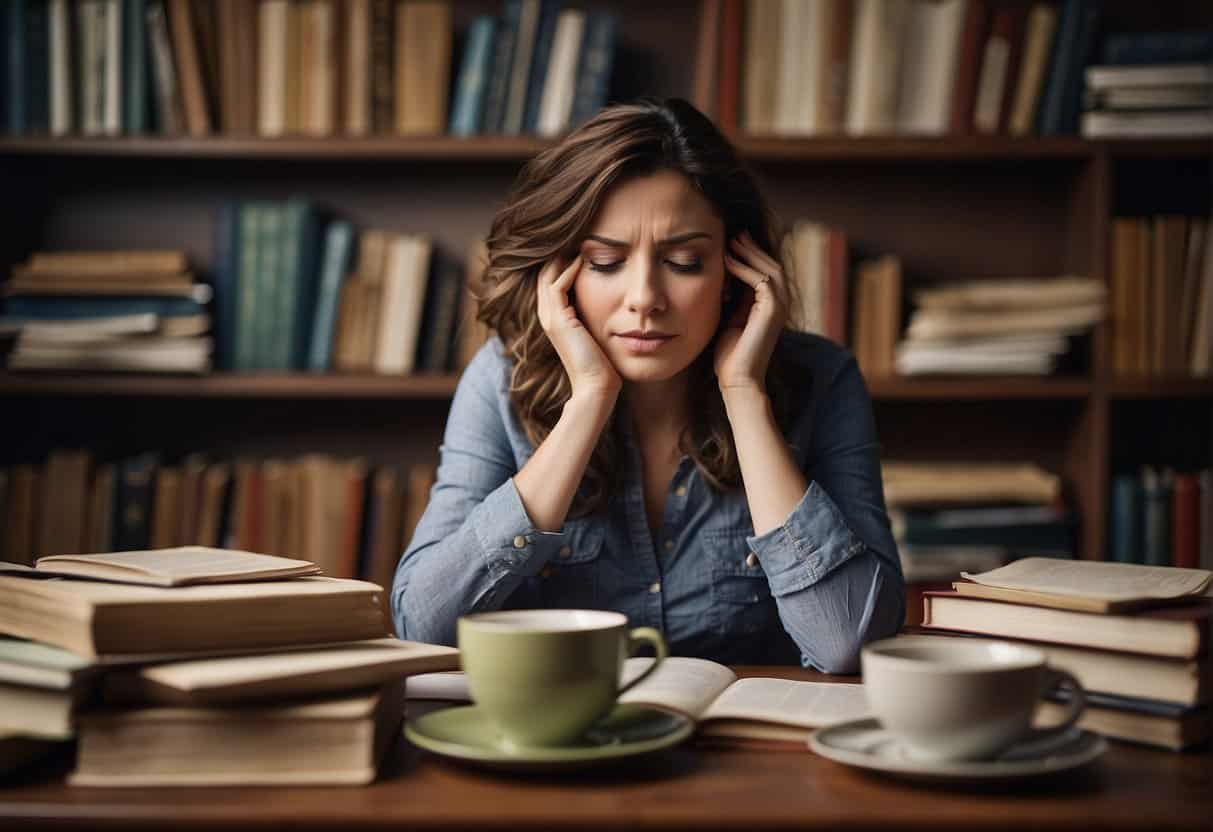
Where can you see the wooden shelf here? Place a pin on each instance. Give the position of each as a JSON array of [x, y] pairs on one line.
[[1159, 388], [232, 385], [520, 148], [978, 389]]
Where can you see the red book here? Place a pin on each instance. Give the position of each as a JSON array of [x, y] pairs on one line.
[[836, 286], [968, 67], [729, 83], [1185, 521]]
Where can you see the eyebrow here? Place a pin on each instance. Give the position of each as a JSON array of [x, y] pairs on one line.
[[680, 238]]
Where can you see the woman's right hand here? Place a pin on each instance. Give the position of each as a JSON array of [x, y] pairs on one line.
[[590, 371]]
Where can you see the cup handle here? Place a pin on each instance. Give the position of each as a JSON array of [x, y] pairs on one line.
[[1041, 740], [638, 638]]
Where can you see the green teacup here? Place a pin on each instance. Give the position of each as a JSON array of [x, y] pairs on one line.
[[543, 677]]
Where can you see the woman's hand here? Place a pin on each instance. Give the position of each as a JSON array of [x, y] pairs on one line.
[[745, 345], [590, 371]]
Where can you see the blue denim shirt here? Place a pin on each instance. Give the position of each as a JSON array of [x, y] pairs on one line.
[[819, 585]]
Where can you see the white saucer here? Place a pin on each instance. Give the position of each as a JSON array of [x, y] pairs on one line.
[[865, 744]]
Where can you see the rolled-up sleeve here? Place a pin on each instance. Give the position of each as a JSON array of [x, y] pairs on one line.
[[475, 542], [832, 564]]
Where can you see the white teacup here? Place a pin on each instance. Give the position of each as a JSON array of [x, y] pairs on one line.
[[961, 699]]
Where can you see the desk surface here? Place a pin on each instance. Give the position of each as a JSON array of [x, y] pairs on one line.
[[691, 787]]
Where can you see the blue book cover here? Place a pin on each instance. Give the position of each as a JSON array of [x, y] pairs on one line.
[[335, 264], [595, 66], [289, 302], [245, 343], [546, 32], [497, 94], [267, 326], [14, 63], [1061, 101], [37, 66], [1156, 517], [1144, 48], [226, 280], [307, 237], [1124, 533], [47, 308], [468, 110], [135, 76]]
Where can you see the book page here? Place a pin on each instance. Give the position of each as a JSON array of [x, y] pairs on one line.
[[681, 684], [184, 564], [1094, 579], [449, 686], [788, 702]]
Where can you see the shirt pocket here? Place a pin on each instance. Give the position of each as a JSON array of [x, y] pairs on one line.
[[571, 577], [741, 596]]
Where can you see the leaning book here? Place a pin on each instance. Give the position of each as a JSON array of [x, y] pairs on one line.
[[338, 740]]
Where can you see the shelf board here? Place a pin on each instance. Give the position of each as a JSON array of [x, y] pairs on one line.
[[233, 385], [977, 389], [1159, 388], [520, 148]]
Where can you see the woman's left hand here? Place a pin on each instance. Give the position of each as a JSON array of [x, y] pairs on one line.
[[745, 344]]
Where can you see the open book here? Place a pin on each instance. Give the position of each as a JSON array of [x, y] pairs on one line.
[[1088, 586], [181, 566], [723, 705]]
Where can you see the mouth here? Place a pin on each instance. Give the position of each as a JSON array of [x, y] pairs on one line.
[[642, 342]]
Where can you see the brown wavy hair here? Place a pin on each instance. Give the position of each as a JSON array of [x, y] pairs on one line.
[[549, 212]]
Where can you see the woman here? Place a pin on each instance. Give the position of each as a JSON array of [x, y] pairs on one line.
[[644, 434]]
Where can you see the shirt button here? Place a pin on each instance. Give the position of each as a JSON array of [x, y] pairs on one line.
[[751, 560], [655, 588], [519, 542], [669, 544], [681, 491], [566, 551]]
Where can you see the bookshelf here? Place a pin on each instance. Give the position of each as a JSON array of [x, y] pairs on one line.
[[951, 208]]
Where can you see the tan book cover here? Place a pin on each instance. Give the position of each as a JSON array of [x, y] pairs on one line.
[[293, 83], [1019, 293], [1094, 586], [99, 531], [1189, 304], [176, 566], [273, 35], [707, 58], [907, 483], [835, 72], [1171, 733], [338, 740], [1121, 318], [267, 677], [1178, 632], [166, 508], [1038, 44], [423, 66], [760, 67], [215, 485], [102, 619], [106, 263], [189, 68], [356, 69], [64, 501], [1142, 297]]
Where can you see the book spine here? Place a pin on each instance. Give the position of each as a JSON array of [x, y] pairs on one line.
[[244, 350], [14, 59], [1185, 522], [468, 110], [1062, 99], [73, 308], [133, 503], [497, 90], [1125, 536], [37, 67], [594, 70], [338, 246], [1156, 520], [134, 66], [266, 326], [383, 76], [288, 305], [310, 240], [540, 61], [1143, 48], [520, 69], [227, 283]]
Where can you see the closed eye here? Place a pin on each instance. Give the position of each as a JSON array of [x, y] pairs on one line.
[[684, 268]]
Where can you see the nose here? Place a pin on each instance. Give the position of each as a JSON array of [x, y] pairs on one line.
[[644, 293]]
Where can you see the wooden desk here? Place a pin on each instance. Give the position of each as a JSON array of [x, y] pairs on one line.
[[686, 788]]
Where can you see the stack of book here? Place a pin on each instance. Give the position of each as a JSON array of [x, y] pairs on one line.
[[998, 326], [1136, 637], [136, 311], [1151, 84], [199, 666], [948, 518]]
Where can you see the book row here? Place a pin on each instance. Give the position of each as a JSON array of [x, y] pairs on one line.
[[1162, 517], [300, 67], [349, 516]]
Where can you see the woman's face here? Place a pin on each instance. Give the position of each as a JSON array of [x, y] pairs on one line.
[[652, 276]]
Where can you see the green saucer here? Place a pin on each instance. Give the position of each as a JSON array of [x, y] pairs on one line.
[[464, 733]]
